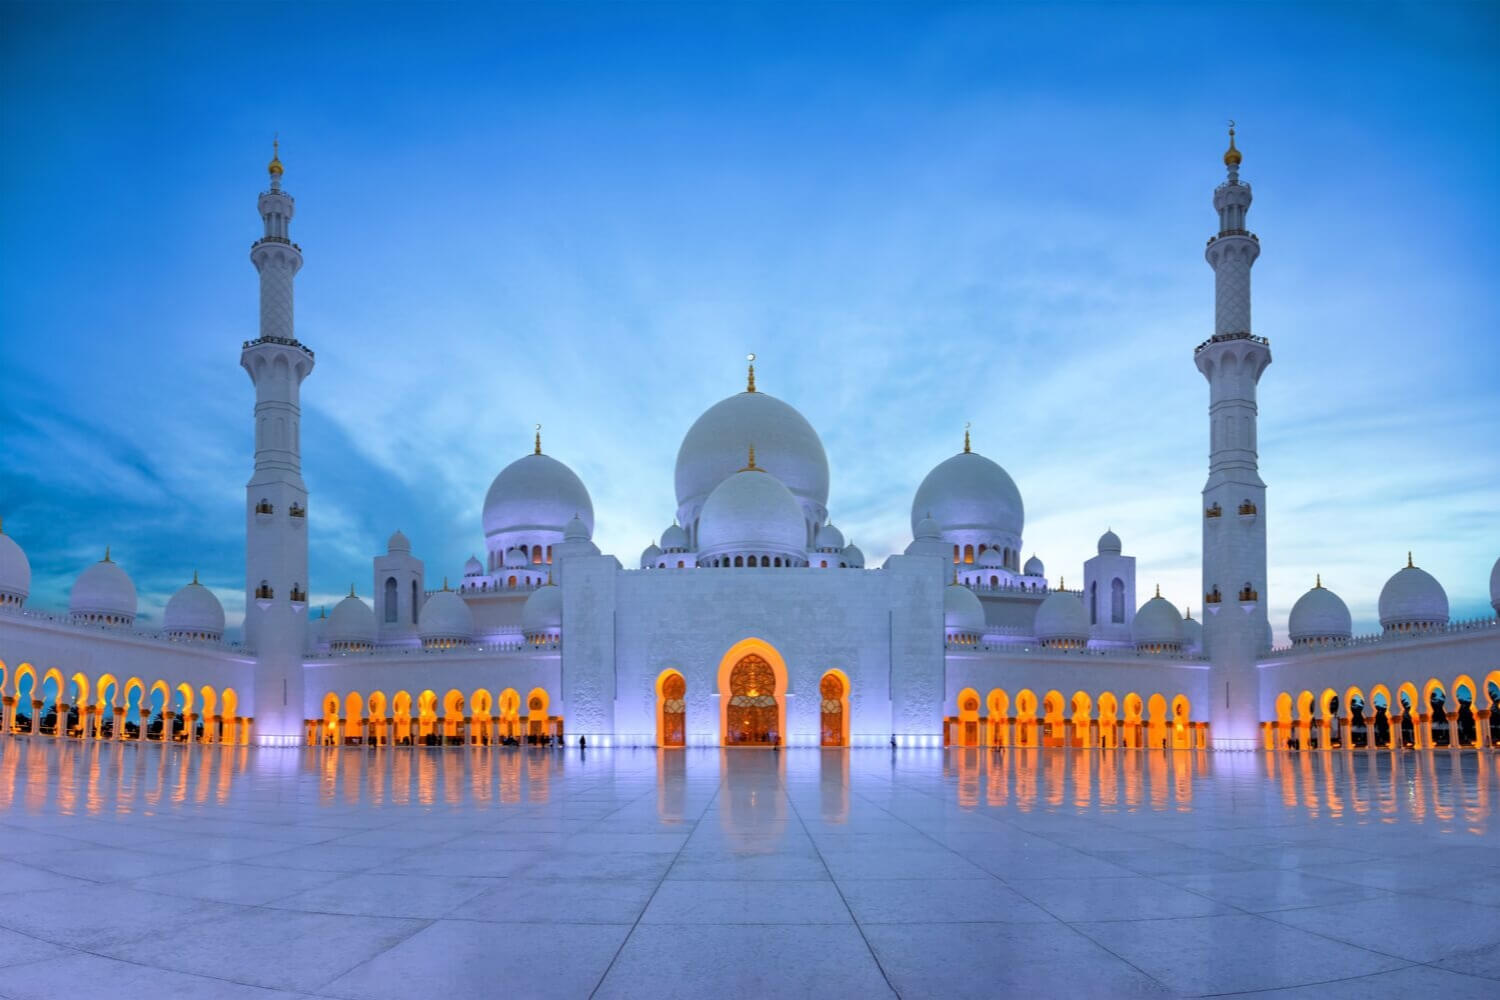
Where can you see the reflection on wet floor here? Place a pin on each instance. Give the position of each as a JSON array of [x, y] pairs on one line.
[[1452, 789]]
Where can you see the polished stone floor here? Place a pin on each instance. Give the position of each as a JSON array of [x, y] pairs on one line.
[[162, 872]]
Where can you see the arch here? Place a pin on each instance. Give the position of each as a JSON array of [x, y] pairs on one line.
[[1465, 702], [1053, 708], [1026, 706], [330, 734], [537, 702], [378, 735], [510, 709], [481, 710], [968, 553], [453, 716], [427, 720], [745, 717], [1117, 601], [355, 720], [1182, 723], [1135, 709], [671, 709], [391, 603], [997, 703], [1094, 602], [401, 717], [967, 719], [1436, 704], [1284, 734], [1156, 711], [1410, 706], [1081, 721], [1109, 721]]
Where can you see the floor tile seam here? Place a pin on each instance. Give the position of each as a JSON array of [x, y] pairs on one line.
[[636, 923], [859, 929], [1271, 916], [424, 925], [1116, 955], [1319, 982], [1469, 975], [904, 822]]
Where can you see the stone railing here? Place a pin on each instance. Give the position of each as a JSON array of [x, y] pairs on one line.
[[284, 341], [66, 621], [1389, 638], [1220, 338]]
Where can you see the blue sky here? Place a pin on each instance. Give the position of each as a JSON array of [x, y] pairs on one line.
[[916, 215]]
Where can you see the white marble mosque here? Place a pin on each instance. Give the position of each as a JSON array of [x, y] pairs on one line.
[[751, 620]]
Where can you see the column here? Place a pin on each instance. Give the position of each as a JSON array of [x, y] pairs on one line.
[[249, 731], [36, 717], [167, 718], [117, 730], [62, 719]]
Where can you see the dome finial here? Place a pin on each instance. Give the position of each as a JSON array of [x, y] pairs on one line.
[[751, 467], [195, 577], [966, 437], [351, 590], [1158, 590], [1062, 583], [538, 450], [1408, 560], [274, 167], [1189, 613], [1231, 155], [106, 555], [1319, 584], [445, 583], [750, 385]]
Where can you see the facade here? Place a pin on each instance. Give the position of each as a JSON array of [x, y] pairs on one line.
[[752, 621]]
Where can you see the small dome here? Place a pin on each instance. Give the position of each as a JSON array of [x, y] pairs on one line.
[[649, 555], [1413, 598], [516, 559], [714, 448], [194, 611], [927, 539], [968, 492], [1319, 614], [1109, 544], [104, 590], [15, 572], [542, 614], [674, 539], [473, 567], [1192, 634], [992, 558], [1157, 624], [398, 543], [352, 622], [536, 493], [1034, 567], [752, 512], [1062, 617], [445, 616], [854, 556], [576, 530], [829, 537], [1494, 586], [962, 612]]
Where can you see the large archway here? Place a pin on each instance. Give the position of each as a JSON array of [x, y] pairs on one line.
[[752, 695], [833, 709], [671, 709]]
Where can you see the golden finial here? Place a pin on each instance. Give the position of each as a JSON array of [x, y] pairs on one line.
[[1319, 584], [1158, 590], [1408, 560], [1231, 155], [538, 450], [1062, 583], [750, 467], [106, 554], [966, 437], [955, 576], [1190, 612], [274, 167], [750, 386]]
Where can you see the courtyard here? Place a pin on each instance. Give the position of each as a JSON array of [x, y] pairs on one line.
[[195, 871]]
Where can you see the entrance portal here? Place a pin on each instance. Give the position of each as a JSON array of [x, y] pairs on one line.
[[754, 716], [835, 716], [672, 710]]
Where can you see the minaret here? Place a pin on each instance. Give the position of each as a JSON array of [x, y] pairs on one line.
[[1234, 499], [276, 499]]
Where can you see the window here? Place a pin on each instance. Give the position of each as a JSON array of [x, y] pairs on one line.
[[1117, 601], [968, 553], [1094, 603], [414, 602], [390, 599]]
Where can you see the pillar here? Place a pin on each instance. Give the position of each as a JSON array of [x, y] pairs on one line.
[[61, 729], [117, 728], [167, 718]]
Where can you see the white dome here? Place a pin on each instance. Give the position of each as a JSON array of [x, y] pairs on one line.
[[1061, 616], [15, 571], [854, 556], [785, 445], [1412, 597], [445, 616], [576, 530], [649, 556], [104, 589], [1034, 567], [473, 567], [1158, 623], [398, 542], [1192, 634], [352, 621], [542, 613], [1109, 544], [516, 559], [992, 558], [536, 493], [752, 512], [1319, 614], [194, 610], [927, 539], [829, 537], [674, 539], [962, 611], [968, 492], [1494, 586]]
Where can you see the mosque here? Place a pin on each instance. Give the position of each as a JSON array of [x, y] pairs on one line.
[[751, 621]]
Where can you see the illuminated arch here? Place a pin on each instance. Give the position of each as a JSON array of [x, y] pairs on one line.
[[427, 720], [1182, 723], [1156, 711], [833, 708], [453, 714], [1109, 720], [967, 704], [997, 704], [1053, 708], [331, 718], [1082, 717], [671, 708], [1026, 706], [732, 657]]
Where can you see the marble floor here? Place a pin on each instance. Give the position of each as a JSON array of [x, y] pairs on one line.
[[162, 872]]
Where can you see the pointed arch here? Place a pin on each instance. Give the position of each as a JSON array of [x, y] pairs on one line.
[[751, 716], [671, 708]]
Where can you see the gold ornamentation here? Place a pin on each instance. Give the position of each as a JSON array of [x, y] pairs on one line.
[[274, 167], [750, 383], [1232, 156]]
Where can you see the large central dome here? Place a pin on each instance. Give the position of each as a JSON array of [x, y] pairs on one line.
[[970, 493], [785, 445], [536, 493]]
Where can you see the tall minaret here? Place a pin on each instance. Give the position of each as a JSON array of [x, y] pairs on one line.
[[1234, 499], [276, 499]]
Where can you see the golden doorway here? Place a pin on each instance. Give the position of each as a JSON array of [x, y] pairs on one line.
[[673, 710], [834, 717], [754, 710]]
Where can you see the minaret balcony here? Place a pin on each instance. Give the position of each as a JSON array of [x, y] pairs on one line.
[[1249, 599], [1221, 338], [1213, 600], [1214, 512]]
